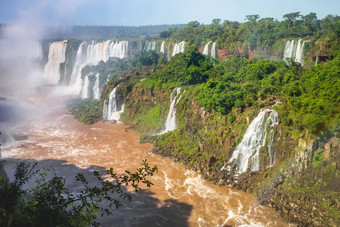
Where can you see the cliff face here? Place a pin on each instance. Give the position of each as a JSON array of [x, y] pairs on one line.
[[303, 183], [146, 108]]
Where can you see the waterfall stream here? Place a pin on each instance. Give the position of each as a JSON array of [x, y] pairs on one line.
[[56, 56], [162, 48], [170, 123], [112, 109], [206, 49], [178, 48], [246, 155], [294, 49]]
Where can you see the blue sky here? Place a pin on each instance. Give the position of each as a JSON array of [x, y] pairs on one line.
[[151, 12]]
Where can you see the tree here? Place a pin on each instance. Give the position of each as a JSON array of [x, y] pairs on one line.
[[193, 24], [252, 18], [216, 21], [51, 204], [291, 18], [308, 19]]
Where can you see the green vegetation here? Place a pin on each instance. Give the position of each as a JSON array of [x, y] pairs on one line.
[[256, 32], [186, 68], [86, 111], [50, 203]]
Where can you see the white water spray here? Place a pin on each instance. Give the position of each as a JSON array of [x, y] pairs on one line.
[[213, 50], [246, 155], [294, 50], [85, 94], [178, 48], [56, 56], [206, 48], [170, 123], [162, 48], [96, 88], [112, 109], [92, 54]]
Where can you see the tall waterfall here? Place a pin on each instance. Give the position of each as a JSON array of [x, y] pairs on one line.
[[84, 94], [294, 49], [56, 56], [206, 49], [112, 109], [213, 50], [96, 88], [162, 48], [178, 48], [91, 54], [170, 123], [246, 155]]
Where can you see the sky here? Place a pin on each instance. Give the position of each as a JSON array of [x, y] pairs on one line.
[[154, 12]]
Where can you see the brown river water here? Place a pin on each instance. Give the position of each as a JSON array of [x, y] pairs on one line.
[[179, 197]]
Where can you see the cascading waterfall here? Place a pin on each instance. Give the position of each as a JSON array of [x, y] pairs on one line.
[[84, 94], [213, 50], [94, 53], [246, 155], [162, 48], [178, 48], [206, 49], [294, 50], [168, 55], [56, 56], [78, 63], [151, 46], [112, 109], [96, 88], [170, 123]]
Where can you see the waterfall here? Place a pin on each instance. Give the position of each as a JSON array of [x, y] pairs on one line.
[[213, 50], [246, 155], [96, 88], [206, 49], [299, 51], [84, 94], [92, 54], [148, 47], [151, 46], [170, 123], [294, 50], [168, 55], [78, 65], [178, 48], [56, 56], [112, 109], [162, 48]]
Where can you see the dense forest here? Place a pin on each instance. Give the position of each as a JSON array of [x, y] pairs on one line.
[[258, 32]]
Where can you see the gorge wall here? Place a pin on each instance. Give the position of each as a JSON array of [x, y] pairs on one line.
[[296, 171]]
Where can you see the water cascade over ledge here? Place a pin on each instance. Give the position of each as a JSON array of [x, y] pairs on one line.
[[178, 48], [206, 49], [56, 56], [162, 48], [213, 50], [294, 49], [170, 123], [112, 108], [92, 54], [246, 155]]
